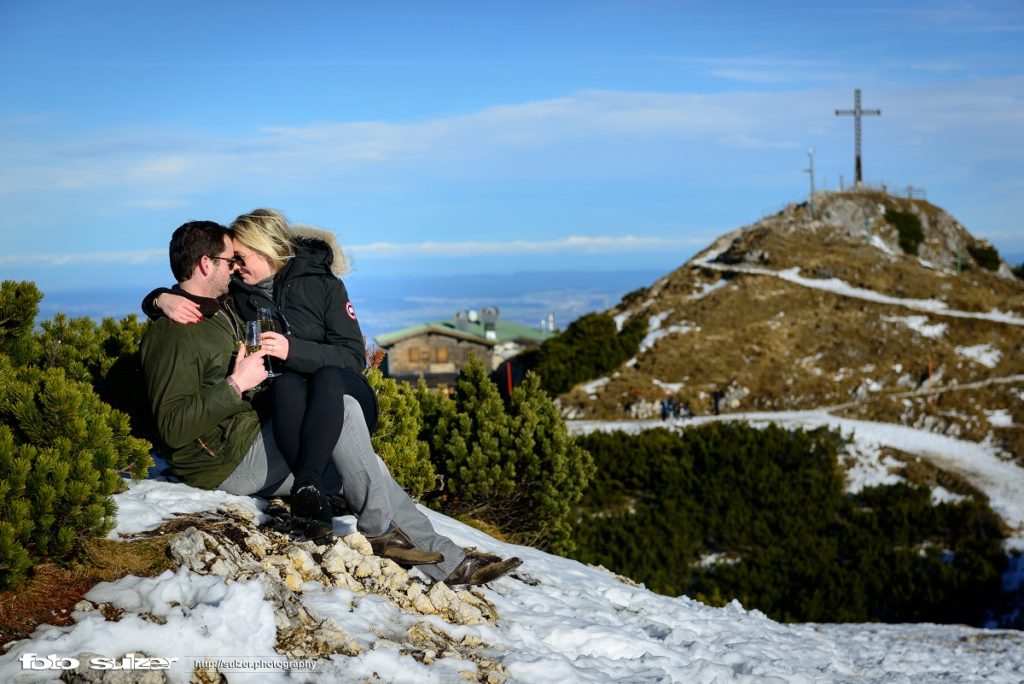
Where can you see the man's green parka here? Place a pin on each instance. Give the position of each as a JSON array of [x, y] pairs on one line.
[[205, 428]]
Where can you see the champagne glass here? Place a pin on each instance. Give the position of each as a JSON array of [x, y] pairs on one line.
[[267, 324], [252, 337]]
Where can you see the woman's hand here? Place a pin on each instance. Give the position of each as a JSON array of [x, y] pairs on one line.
[[275, 344], [179, 309]]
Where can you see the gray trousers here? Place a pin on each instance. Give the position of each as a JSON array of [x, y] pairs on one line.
[[369, 489]]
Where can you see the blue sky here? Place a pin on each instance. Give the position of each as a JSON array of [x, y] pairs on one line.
[[473, 136]]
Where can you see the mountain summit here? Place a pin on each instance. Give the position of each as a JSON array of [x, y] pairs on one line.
[[866, 304]]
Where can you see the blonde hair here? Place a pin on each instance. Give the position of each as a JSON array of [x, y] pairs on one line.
[[265, 231]]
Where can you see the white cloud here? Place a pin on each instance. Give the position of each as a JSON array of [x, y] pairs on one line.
[[127, 257], [576, 244]]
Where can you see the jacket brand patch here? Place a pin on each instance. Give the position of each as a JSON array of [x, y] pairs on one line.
[[350, 310]]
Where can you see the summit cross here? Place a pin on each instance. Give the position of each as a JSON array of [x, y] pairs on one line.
[[857, 112]]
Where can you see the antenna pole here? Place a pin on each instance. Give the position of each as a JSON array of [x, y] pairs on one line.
[[810, 170]]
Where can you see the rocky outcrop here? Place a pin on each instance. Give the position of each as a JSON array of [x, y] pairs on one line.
[[229, 544]]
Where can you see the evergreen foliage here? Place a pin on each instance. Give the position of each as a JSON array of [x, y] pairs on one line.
[[985, 256], [1018, 271], [397, 437], [766, 511], [634, 295], [590, 347], [514, 467], [62, 449], [908, 226]]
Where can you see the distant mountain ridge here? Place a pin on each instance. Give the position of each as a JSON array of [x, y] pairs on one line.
[[819, 306]]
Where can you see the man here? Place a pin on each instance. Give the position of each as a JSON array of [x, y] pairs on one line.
[[196, 376]]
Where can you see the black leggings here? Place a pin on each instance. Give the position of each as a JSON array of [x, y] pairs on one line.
[[308, 413]]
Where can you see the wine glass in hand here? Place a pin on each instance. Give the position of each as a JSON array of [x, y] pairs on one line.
[[267, 324], [252, 337]]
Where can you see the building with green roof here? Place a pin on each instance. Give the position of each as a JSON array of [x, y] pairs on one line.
[[437, 350]]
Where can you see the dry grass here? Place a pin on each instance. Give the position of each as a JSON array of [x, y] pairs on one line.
[[791, 347], [49, 594]]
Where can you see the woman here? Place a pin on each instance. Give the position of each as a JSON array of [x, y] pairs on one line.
[[294, 272]]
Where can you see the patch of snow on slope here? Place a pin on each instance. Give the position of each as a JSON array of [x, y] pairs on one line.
[[152, 502], [919, 324], [594, 385], [621, 318], [942, 495], [708, 288], [879, 243], [840, 287], [653, 337], [999, 418], [670, 387], [985, 354], [867, 467]]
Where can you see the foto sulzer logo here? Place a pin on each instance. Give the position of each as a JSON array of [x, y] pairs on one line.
[[34, 661]]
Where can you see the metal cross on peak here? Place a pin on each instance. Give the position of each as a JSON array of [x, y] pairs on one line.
[[856, 113]]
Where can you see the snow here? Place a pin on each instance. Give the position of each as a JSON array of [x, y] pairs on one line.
[[203, 618], [708, 288], [840, 287], [920, 325], [868, 467], [150, 505], [577, 623], [621, 318], [879, 243], [594, 385], [656, 332], [999, 418], [670, 387], [985, 354]]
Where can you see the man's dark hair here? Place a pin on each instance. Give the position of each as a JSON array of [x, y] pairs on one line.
[[191, 242]]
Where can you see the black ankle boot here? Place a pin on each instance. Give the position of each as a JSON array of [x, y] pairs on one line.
[[313, 507], [306, 502]]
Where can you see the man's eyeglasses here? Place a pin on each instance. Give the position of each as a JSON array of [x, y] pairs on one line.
[[232, 261]]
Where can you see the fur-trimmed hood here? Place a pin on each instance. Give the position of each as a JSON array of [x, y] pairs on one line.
[[309, 236]]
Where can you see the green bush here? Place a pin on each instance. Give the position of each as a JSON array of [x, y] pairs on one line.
[[728, 511], [985, 256], [589, 348], [1019, 271], [104, 355], [515, 466], [633, 295], [397, 437], [62, 449], [908, 226]]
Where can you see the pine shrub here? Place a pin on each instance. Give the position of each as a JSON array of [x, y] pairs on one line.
[[397, 437], [908, 227], [515, 467], [590, 347], [62, 449], [985, 256], [728, 511]]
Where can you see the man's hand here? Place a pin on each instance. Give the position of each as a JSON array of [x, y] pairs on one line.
[[179, 309], [275, 344], [249, 370]]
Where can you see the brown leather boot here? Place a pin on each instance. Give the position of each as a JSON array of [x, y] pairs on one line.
[[394, 544], [480, 568]]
